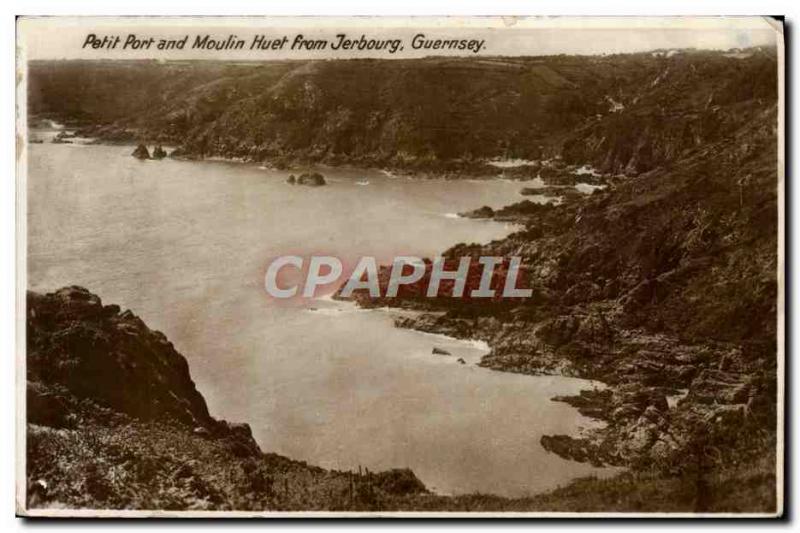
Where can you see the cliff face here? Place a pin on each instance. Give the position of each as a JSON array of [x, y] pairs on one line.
[[111, 357], [427, 114], [689, 102]]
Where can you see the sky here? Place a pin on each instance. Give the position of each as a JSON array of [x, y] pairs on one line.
[[66, 37]]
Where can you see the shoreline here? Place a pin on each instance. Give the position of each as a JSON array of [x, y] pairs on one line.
[[55, 402], [546, 363], [216, 466], [556, 172]]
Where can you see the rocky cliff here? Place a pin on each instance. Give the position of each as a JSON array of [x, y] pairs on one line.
[[663, 285], [435, 115], [114, 421]]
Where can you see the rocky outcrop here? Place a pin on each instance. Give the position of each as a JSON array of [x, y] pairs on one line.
[[567, 193], [309, 179], [481, 212], [312, 179], [63, 137], [98, 352], [141, 152], [159, 152]]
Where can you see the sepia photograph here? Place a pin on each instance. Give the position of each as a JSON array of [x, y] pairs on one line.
[[400, 266]]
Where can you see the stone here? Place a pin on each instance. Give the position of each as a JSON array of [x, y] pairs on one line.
[[314, 179], [200, 431], [141, 152], [159, 152], [481, 212]]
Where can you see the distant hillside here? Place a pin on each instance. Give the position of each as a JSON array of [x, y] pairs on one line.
[[421, 113]]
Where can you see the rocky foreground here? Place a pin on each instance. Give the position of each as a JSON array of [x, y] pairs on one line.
[[115, 422]]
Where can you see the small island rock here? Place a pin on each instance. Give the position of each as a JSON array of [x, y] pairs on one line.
[[159, 152], [314, 179], [481, 212], [141, 152]]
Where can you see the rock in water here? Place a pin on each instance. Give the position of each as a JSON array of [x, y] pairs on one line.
[[314, 179], [158, 152], [141, 152], [439, 351], [63, 138], [291, 179], [481, 212]]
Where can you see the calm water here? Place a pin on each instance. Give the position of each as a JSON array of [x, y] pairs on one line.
[[185, 245]]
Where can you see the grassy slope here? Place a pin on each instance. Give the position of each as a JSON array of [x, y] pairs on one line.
[[136, 465], [429, 109]]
